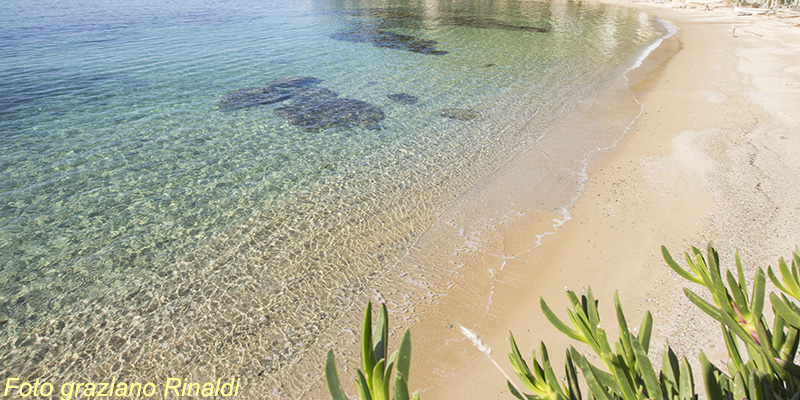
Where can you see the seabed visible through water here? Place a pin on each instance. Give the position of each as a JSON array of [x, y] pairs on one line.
[[197, 190]]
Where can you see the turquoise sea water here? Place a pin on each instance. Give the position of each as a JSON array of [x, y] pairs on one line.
[[146, 231]]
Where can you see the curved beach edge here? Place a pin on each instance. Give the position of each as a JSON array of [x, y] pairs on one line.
[[709, 160]]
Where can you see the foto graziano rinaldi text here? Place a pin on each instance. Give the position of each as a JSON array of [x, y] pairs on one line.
[[173, 387]]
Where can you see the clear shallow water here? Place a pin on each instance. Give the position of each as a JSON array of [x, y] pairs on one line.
[[145, 232]]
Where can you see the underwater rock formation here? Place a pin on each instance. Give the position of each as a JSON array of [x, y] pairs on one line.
[[403, 98], [387, 39], [319, 108], [312, 107], [398, 18], [251, 97], [463, 114], [276, 91]]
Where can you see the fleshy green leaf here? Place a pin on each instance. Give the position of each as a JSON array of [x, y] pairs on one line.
[[387, 379], [759, 288], [645, 330], [573, 386], [687, 382], [382, 334], [367, 353], [622, 376], [596, 389], [710, 374], [400, 387], [782, 308], [404, 356], [647, 371], [590, 308], [740, 273], [363, 387], [332, 376], [380, 388], [514, 391], [677, 268], [548, 313], [789, 348], [738, 296], [703, 305], [739, 388], [790, 367], [733, 350], [789, 279], [777, 282], [624, 333], [520, 366], [670, 367]]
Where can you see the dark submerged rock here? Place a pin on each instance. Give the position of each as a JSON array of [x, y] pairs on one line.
[[277, 90], [312, 107], [400, 18], [387, 39], [331, 112], [463, 114], [403, 98], [319, 108], [252, 97]]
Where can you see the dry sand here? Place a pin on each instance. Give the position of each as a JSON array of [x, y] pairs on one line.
[[713, 158]]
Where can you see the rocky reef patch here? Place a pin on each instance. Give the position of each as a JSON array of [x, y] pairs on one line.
[[388, 39], [275, 91], [318, 108]]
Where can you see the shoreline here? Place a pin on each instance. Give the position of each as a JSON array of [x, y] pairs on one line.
[[464, 267], [567, 257], [454, 274], [708, 160], [692, 170], [230, 320]]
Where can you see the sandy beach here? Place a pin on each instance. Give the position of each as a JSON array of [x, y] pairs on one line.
[[712, 158]]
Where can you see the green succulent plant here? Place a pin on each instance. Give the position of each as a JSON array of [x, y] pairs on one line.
[[761, 359], [761, 356], [625, 371], [375, 375]]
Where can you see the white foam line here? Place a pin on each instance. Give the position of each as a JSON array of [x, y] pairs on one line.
[[671, 31], [583, 174]]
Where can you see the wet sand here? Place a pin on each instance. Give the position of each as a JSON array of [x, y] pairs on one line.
[[712, 158]]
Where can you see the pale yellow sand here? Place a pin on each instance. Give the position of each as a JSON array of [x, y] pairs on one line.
[[714, 157]]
